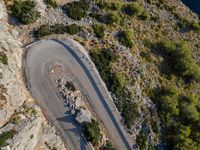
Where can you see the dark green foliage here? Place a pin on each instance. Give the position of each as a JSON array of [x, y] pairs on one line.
[[25, 11], [5, 136], [77, 9], [179, 60], [70, 86], [180, 118], [144, 16], [125, 38], [45, 30], [51, 3], [4, 59], [133, 9], [109, 18], [99, 30], [107, 5], [107, 146], [166, 99], [142, 141], [116, 84], [92, 131], [130, 114]]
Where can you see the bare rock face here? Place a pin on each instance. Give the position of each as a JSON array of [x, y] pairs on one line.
[[11, 73], [18, 112]]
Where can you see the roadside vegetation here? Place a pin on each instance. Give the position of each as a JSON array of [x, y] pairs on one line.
[[77, 9], [92, 131], [24, 11], [45, 30], [180, 117], [116, 84], [70, 86], [125, 38], [5, 136]]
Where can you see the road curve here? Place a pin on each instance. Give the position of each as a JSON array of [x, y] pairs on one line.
[[37, 59]]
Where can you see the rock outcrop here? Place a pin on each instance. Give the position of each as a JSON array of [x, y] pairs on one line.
[[18, 112]]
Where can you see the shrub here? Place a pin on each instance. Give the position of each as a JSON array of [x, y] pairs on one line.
[[179, 59], [125, 38], [109, 18], [45, 30], [107, 146], [25, 11], [51, 3], [99, 30], [73, 29], [77, 9], [142, 141], [144, 16], [5, 136], [133, 9], [92, 131], [4, 59], [70, 86], [180, 117]]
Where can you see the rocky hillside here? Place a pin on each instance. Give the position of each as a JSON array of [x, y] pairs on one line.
[[22, 124], [146, 51]]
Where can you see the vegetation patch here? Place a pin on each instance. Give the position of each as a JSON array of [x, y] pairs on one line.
[[133, 9], [92, 131], [4, 59], [5, 136], [70, 86], [109, 18], [51, 3], [45, 30], [116, 84], [99, 30], [180, 117], [77, 9], [142, 141], [25, 11], [125, 38], [178, 60]]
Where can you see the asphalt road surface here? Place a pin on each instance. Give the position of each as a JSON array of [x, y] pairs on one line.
[[37, 59]]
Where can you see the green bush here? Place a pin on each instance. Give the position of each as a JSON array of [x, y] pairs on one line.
[[179, 59], [77, 9], [142, 141], [133, 9], [144, 16], [99, 30], [108, 5], [51, 3], [180, 117], [5, 136], [70, 86], [125, 38], [45, 30], [92, 131], [4, 59], [110, 18], [107, 146], [25, 11]]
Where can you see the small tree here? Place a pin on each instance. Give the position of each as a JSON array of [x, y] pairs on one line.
[[25, 11], [92, 131]]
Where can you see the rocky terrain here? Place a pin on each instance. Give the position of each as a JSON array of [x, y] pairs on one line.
[[137, 66], [18, 111]]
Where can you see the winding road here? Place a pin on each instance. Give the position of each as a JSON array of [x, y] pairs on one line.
[[37, 59]]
